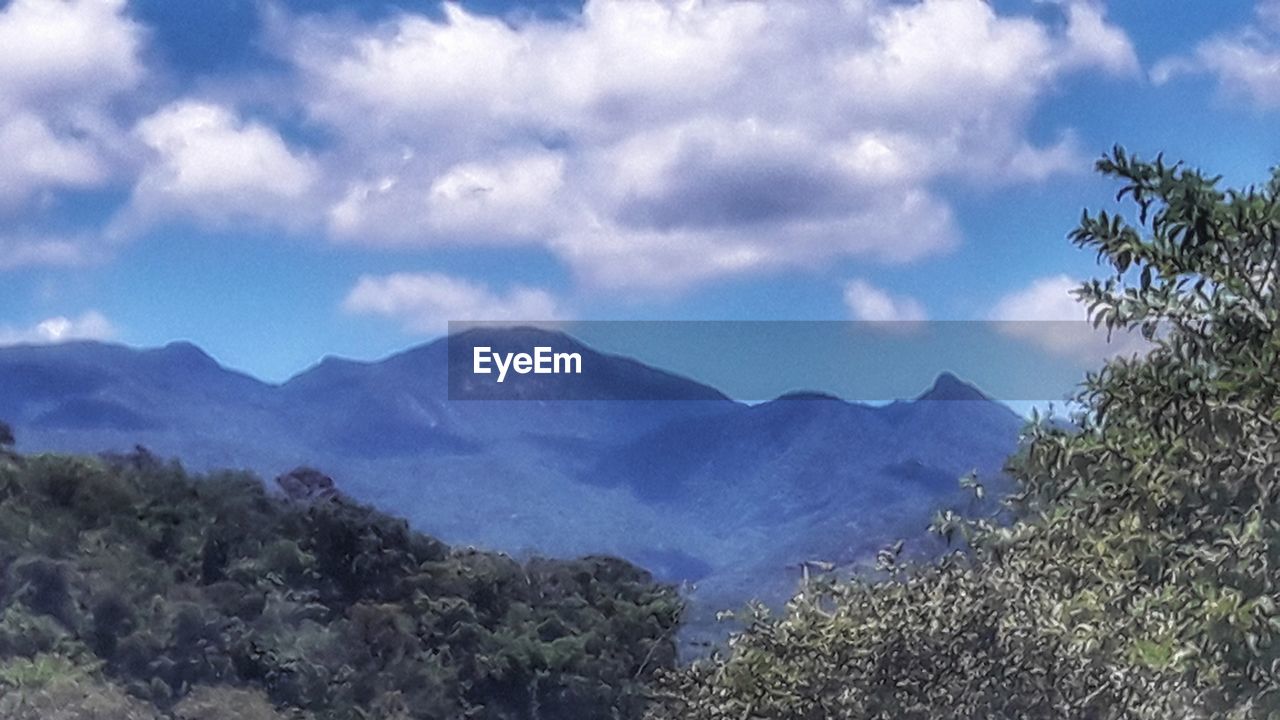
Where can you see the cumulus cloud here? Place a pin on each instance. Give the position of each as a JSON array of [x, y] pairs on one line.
[[23, 251], [209, 164], [869, 303], [1092, 42], [476, 202], [426, 303], [1048, 315], [1246, 61], [1044, 299], [650, 145], [90, 325], [62, 62], [659, 144]]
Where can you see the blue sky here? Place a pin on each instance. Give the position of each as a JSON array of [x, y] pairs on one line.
[[279, 181]]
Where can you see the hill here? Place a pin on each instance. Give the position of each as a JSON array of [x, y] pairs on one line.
[[132, 590], [631, 461]]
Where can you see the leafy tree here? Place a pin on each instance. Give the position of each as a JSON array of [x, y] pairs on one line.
[[1139, 580], [130, 590]]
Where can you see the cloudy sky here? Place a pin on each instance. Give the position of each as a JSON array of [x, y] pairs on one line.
[[280, 180]]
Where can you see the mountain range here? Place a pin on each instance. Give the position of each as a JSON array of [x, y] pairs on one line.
[[725, 497]]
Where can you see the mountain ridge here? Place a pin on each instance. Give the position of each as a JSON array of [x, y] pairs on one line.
[[946, 385], [705, 489]]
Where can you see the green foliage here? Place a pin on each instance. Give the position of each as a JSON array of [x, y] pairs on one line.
[[1139, 580], [38, 672], [53, 688], [130, 590]]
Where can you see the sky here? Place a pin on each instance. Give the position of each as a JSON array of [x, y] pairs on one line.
[[278, 181]]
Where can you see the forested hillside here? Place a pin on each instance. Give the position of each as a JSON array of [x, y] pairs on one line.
[[131, 590]]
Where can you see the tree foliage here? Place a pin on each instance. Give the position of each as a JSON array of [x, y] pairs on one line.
[[130, 590], [1140, 578]]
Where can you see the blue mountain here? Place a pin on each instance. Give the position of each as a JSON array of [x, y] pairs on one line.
[[628, 459]]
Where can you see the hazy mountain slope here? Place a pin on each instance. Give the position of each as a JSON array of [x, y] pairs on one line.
[[367, 407], [697, 487], [809, 477], [176, 400]]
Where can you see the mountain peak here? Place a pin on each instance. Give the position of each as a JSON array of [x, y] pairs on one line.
[[521, 332], [181, 353], [950, 387], [184, 348]]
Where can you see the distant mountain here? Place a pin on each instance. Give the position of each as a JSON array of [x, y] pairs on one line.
[[726, 496]]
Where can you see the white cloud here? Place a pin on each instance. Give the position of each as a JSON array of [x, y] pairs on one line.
[[36, 157], [209, 164], [61, 64], [650, 145], [426, 303], [869, 303], [1246, 66], [19, 251], [504, 200], [1047, 314], [90, 325], [1246, 61], [612, 254], [1045, 299], [659, 144], [961, 56], [1092, 42]]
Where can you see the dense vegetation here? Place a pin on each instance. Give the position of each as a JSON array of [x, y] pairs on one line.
[[131, 591], [1142, 578]]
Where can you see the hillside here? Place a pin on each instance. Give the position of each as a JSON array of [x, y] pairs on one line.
[[129, 589], [632, 461]]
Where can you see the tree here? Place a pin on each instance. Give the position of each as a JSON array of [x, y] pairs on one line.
[[143, 592], [1138, 580], [1168, 499]]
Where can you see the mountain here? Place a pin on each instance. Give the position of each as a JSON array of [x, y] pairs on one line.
[[623, 459], [949, 387]]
